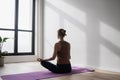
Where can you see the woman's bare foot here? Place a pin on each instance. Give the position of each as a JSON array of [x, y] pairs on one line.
[[39, 59]]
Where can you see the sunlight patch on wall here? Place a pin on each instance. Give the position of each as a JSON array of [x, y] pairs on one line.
[[51, 17], [51, 25], [110, 33], [108, 57], [70, 10], [77, 38]]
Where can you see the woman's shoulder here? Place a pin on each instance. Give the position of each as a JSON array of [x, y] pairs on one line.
[[63, 42], [67, 42], [57, 43]]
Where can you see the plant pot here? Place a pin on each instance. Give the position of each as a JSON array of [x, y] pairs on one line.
[[1, 61]]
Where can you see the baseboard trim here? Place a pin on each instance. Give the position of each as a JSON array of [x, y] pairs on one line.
[[105, 69]]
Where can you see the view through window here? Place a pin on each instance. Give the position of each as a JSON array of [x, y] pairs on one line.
[[17, 22]]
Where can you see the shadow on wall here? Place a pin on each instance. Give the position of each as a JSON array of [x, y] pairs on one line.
[[99, 11], [102, 26]]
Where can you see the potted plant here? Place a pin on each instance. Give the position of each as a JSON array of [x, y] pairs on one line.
[[2, 41]]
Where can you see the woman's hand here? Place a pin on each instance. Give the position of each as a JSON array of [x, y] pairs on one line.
[[39, 59]]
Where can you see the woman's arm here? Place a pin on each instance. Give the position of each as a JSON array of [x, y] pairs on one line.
[[54, 54]]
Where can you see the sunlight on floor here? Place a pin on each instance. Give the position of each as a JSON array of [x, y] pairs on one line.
[[14, 68]]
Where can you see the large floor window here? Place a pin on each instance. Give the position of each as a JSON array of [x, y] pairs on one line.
[[17, 21]]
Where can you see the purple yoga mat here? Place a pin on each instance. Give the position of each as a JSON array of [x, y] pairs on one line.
[[42, 74]]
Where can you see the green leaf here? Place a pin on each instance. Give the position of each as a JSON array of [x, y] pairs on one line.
[[4, 39], [0, 39]]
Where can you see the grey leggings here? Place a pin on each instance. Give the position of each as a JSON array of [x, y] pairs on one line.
[[59, 68]]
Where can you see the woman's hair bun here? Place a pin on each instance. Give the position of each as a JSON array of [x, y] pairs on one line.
[[62, 32]]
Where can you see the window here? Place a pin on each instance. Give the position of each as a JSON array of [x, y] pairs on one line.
[[17, 21]]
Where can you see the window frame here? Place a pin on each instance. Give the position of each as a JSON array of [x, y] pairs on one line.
[[16, 30]]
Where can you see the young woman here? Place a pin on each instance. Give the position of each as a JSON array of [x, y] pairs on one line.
[[62, 52]]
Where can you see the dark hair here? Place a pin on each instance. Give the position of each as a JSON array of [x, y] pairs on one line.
[[62, 32]]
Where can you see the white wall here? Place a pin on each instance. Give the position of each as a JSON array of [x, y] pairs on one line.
[[93, 29]]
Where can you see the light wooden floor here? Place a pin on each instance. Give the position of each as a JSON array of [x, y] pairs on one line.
[[15, 68]]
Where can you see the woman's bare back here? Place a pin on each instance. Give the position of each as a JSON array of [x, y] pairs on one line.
[[63, 53]]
